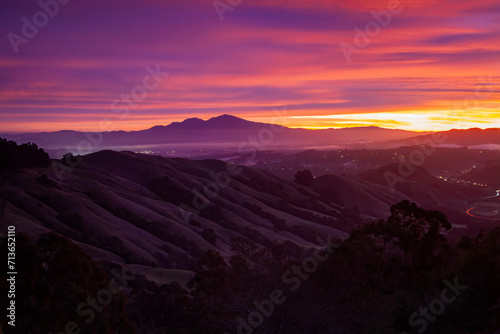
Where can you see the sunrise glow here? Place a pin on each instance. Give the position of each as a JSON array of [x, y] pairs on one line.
[[432, 66]]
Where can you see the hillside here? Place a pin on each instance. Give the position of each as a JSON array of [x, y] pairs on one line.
[[124, 208], [367, 197], [427, 190], [486, 174]]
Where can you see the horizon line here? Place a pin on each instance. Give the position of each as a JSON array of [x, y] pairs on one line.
[[312, 128]]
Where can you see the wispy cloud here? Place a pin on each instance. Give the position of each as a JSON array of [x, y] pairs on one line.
[[266, 54]]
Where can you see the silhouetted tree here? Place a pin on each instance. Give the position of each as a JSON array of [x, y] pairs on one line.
[[70, 160], [304, 177], [57, 276], [20, 156]]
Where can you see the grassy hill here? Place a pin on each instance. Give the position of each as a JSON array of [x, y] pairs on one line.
[[123, 208]]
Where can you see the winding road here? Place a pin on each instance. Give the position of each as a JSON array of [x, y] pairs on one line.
[[472, 208]]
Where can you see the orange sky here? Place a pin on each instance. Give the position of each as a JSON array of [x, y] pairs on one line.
[[434, 66]]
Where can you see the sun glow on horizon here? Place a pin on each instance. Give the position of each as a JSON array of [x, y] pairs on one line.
[[419, 121], [427, 70]]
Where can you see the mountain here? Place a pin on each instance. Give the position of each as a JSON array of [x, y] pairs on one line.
[[224, 132], [226, 123], [476, 138]]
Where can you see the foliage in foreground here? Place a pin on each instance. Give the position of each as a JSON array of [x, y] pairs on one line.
[[382, 279], [21, 156]]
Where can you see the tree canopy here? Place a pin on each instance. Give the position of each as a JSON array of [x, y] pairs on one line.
[[20, 156]]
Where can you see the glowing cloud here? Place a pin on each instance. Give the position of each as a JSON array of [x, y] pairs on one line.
[[433, 66]]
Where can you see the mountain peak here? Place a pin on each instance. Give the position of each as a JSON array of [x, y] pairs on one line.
[[225, 118], [192, 120], [230, 122]]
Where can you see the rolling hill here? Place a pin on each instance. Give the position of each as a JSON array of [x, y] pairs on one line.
[[123, 208], [486, 174], [427, 190]]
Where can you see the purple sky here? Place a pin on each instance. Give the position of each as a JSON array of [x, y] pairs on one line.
[[433, 66]]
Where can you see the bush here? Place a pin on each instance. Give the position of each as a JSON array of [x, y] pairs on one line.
[[209, 235], [304, 178]]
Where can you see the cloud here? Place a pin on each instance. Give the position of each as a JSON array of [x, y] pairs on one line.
[[265, 54]]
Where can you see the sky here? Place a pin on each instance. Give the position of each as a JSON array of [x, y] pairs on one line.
[[122, 65]]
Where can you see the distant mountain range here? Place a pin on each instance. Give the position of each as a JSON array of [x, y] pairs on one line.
[[217, 132], [230, 134]]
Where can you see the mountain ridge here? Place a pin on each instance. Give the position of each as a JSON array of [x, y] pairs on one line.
[[226, 134]]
